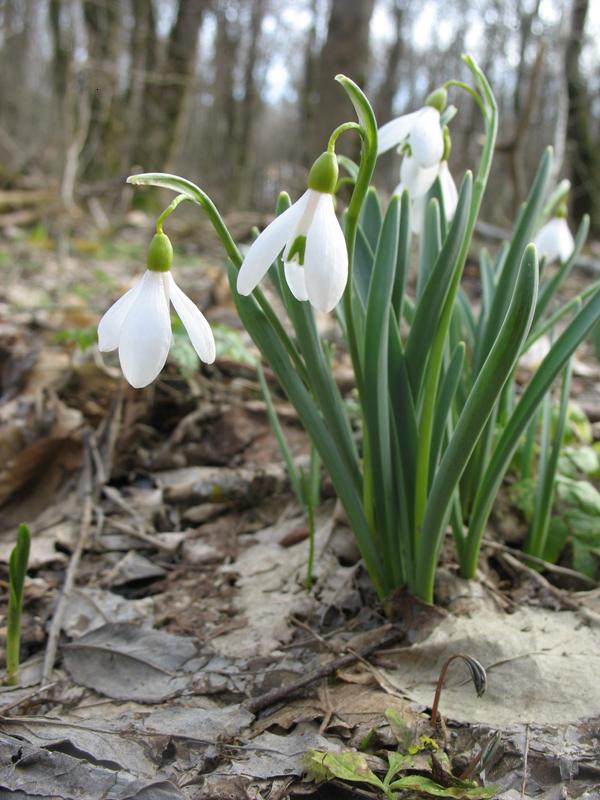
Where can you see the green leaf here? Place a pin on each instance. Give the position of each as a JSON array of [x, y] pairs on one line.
[[348, 766], [349, 165], [371, 217], [520, 419], [548, 291], [508, 277], [428, 787], [431, 244], [558, 532], [492, 377], [376, 400], [258, 325], [429, 308]]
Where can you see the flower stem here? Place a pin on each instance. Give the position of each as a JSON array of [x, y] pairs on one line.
[[168, 211], [346, 126]]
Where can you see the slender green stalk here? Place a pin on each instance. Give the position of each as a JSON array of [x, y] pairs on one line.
[[535, 543], [17, 570]]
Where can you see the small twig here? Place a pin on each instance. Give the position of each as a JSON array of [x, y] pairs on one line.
[[84, 528], [525, 557], [386, 635], [28, 697], [566, 601]]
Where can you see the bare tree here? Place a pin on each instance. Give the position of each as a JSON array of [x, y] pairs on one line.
[[583, 146], [345, 50]]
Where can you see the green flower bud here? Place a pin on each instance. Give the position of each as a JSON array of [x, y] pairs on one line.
[[160, 253], [562, 212], [323, 174], [437, 99]]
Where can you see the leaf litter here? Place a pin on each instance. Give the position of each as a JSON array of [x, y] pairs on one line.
[[188, 604]]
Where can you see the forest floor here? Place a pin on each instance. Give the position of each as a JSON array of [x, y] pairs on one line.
[[188, 660]]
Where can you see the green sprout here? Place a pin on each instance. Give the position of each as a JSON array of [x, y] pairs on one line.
[[17, 569]]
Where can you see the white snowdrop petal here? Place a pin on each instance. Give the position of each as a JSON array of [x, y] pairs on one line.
[[296, 280], [325, 258], [266, 247], [417, 179], [449, 191], [109, 327], [554, 240], [395, 131], [146, 332], [427, 138], [194, 321], [307, 206], [566, 243]]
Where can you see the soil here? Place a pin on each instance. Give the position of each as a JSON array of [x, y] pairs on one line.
[[170, 647]]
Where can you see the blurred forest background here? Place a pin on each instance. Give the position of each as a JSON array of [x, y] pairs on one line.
[[239, 95]]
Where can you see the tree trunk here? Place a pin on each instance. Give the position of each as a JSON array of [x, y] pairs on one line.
[[584, 149], [102, 19], [346, 50], [142, 47], [165, 103], [241, 185], [387, 91]]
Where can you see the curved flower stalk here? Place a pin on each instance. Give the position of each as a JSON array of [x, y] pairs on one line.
[[314, 250], [425, 146], [139, 323], [554, 240]]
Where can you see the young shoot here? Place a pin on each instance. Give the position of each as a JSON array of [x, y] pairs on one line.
[[17, 570]]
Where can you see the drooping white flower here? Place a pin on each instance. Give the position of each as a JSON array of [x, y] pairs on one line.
[[314, 249], [421, 140], [139, 325], [554, 240], [421, 130], [419, 197]]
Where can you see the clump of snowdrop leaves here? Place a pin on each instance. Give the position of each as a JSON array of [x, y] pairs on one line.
[[139, 323], [425, 146], [314, 250], [554, 239]]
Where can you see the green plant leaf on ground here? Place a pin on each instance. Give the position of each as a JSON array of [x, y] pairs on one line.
[[430, 788], [349, 766]]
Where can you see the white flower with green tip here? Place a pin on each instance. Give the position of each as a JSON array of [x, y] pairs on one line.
[[314, 249], [425, 147], [139, 323]]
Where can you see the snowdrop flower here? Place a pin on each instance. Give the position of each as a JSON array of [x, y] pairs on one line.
[[554, 240], [314, 249], [426, 148], [139, 323]]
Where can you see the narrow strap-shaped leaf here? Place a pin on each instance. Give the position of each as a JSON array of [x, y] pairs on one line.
[[259, 328], [376, 399], [363, 267], [273, 417], [444, 404], [494, 373], [403, 265], [527, 406], [321, 381], [550, 288], [371, 217], [405, 424], [431, 244], [429, 307], [535, 542], [572, 305], [522, 236]]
